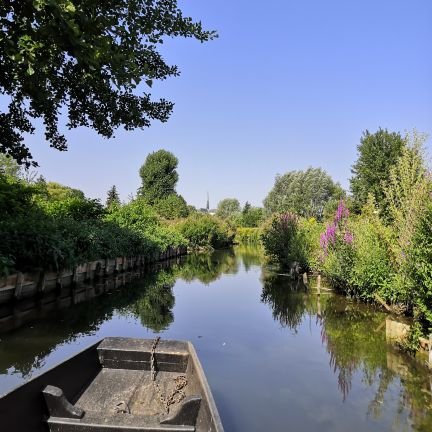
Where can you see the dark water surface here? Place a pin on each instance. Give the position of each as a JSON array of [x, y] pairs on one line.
[[277, 357]]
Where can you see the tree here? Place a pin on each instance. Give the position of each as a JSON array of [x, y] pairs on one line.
[[159, 176], [57, 191], [9, 167], [251, 216], [377, 153], [228, 207], [302, 192], [87, 58], [113, 198], [173, 206]]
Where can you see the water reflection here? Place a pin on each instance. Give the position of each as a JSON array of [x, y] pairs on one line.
[[155, 303], [349, 337], [353, 335], [208, 267], [287, 299]]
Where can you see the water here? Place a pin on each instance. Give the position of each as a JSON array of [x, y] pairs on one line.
[[277, 357]]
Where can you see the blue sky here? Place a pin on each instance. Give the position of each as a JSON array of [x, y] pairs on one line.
[[287, 85]]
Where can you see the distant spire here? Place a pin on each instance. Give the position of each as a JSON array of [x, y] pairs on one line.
[[208, 203]]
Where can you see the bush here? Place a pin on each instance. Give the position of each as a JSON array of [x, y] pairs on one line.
[[171, 207], [248, 236], [141, 219], [206, 231], [309, 231], [357, 254], [282, 242], [77, 208], [420, 265]]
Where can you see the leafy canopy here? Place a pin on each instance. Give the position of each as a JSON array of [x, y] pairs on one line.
[[86, 58], [228, 207], [377, 153], [159, 176], [302, 192]]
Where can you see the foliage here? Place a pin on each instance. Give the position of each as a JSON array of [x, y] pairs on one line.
[[173, 206], [38, 231], [228, 207], [356, 253], [309, 231], [420, 267], [248, 235], [206, 231], [113, 198], [57, 191], [302, 192], [141, 219], [377, 153], [337, 248], [159, 176], [9, 166], [281, 240], [251, 217], [73, 207], [88, 57], [16, 197]]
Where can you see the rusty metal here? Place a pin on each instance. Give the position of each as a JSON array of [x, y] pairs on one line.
[[180, 383]]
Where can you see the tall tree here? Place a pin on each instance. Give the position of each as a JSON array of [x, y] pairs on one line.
[[302, 192], [377, 153], [113, 197], [159, 176], [228, 207], [86, 58]]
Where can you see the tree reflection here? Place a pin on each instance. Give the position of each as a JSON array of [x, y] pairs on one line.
[[154, 307], [354, 337], [251, 256], [208, 267], [285, 297]]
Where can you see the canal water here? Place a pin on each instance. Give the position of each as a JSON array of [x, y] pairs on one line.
[[277, 356]]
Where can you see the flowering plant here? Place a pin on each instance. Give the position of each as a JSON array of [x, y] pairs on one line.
[[337, 230]]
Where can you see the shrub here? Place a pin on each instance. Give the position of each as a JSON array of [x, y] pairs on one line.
[[206, 231], [77, 208], [141, 219], [337, 249], [356, 253], [309, 231], [172, 207], [248, 235], [420, 267], [281, 240]]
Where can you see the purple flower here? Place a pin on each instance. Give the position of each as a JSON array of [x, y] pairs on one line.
[[348, 237], [342, 212]]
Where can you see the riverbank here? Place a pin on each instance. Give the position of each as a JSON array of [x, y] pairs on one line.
[[27, 285]]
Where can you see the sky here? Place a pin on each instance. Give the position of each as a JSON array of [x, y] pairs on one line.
[[287, 85]]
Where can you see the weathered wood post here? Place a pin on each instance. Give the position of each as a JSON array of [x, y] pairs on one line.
[[319, 285]]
